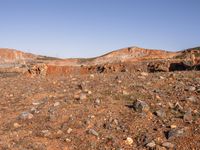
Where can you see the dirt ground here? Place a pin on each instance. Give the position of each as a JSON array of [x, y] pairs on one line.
[[111, 111]]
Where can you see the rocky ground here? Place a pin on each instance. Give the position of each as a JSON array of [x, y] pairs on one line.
[[108, 111]]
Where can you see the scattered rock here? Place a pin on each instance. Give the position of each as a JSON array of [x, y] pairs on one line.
[[16, 125], [125, 92], [36, 103], [161, 77], [173, 126], [129, 141], [80, 96], [25, 115], [97, 102], [56, 104], [190, 88], [198, 90], [151, 145], [168, 145], [158, 147], [158, 67], [83, 96], [69, 130], [89, 92], [191, 99], [174, 133], [59, 132], [143, 139], [34, 110], [144, 73], [92, 75], [93, 132], [160, 113], [178, 107], [141, 106], [119, 81], [45, 133], [187, 117], [68, 140]]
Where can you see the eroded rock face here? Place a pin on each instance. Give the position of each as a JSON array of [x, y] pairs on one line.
[[14, 56], [158, 66], [38, 70], [107, 68], [130, 59]]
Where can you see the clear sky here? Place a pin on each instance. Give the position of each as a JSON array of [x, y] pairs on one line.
[[86, 28]]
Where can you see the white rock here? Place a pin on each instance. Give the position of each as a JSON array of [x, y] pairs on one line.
[[129, 141]]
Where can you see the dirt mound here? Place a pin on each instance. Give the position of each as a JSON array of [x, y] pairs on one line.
[[131, 54]]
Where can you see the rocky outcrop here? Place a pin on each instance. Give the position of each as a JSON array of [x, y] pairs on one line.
[[37, 70], [13, 56], [158, 66], [128, 59]]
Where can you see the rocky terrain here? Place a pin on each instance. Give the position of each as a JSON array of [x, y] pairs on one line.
[[129, 99]]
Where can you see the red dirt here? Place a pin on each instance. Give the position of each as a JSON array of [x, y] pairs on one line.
[[131, 99]]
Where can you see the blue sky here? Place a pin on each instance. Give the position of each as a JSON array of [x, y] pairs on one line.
[[87, 28]]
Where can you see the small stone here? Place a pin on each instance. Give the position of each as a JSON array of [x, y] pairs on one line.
[[188, 117], [173, 126], [156, 91], [67, 140], [56, 104], [34, 110], [158, 147], [36, 103], [45, 133], [89, 92], [141, 106], [74, 79], [174, 133], [77, 96], [97, 101], [119, 81], [178, 107], [191, 99], [91, 116], [69, 130], [83, 96], [161, 77], [59, 132], [159, 140], [171, 106], [93, 132], [25, 115], [116, 121], [92, 75], [158, 97], [142, 77], [190, 88], [16, 125], [168, 145], [160, 113], [125, 92], [152, 144], [129, 141], [144, 74]]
